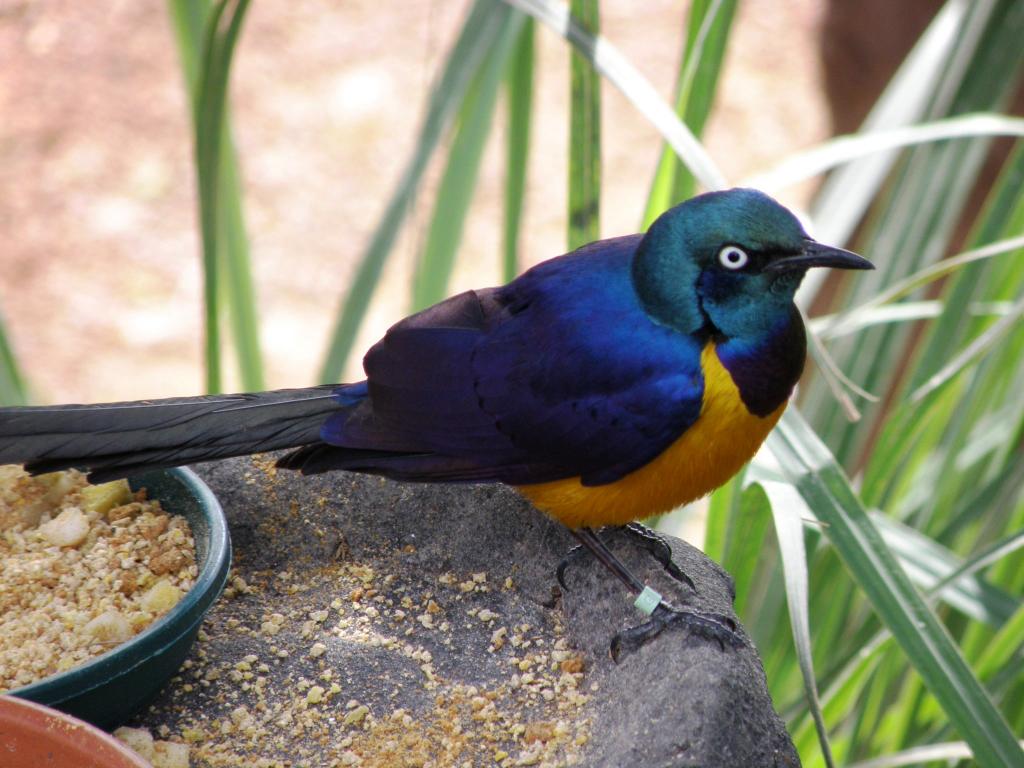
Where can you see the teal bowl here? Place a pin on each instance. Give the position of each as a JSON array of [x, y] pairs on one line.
[[109, 689]]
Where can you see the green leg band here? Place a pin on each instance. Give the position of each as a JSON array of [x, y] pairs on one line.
[[647, 601]]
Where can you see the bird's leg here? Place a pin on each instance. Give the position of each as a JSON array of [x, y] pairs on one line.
[[647, 539], [663, 616], [603, 555], [589, 539]]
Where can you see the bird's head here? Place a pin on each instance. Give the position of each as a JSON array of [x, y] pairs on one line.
[[730, 259]]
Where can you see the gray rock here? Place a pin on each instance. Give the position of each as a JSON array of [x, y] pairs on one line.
[[678, 701]]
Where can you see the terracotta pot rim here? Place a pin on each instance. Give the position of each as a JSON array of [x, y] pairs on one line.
[[64, 740]]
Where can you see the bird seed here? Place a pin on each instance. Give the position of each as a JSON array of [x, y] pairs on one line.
[[83, 568]]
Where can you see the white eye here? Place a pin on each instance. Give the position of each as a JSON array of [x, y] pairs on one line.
[[732, 257]]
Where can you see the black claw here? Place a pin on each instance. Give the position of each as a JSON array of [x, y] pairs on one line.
[[632, 639], [718, 628], [660, 550], [570, 557]]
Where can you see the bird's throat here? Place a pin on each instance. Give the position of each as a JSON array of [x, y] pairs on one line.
[[767, 368]]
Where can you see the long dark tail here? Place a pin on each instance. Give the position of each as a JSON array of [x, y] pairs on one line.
[[112, 440]]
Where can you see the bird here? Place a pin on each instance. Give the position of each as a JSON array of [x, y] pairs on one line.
[[606, 385]]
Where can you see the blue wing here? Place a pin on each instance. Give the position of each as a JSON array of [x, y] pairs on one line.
[[558, 374]]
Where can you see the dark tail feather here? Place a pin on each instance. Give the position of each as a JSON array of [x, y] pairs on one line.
[[112, 440]]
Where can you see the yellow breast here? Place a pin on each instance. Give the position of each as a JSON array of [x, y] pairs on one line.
[[723, 438]]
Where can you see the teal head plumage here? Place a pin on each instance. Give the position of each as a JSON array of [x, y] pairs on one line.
[[732, 260]]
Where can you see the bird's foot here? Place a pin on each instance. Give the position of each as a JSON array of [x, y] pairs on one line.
[[655, 543], [647, 539], [718, 628]]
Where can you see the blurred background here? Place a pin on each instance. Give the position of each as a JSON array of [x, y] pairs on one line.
[[101, 286]]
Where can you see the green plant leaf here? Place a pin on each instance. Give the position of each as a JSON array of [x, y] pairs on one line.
[[455, 193], [188, 17], [1001, 649], [945, 752], [855, 317], [812, 470], [934, 568], [584, 137], [206, 39], [519, 86], [708, 27], [612, 65], [843, 695], [480, 32], [815, 161], [741, 555], [847, 683], [722, 507], [208, 106], [12, 385], [789, 529], [916, 221], [969, 354], [234, 251], [828, 327], [1001, 221], [846, 195]]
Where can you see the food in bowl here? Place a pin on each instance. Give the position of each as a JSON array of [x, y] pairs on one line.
[[83, 568]]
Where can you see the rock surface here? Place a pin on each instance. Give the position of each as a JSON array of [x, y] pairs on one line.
[[387, 624]]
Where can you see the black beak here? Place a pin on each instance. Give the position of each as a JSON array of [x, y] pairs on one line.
[[814, 254]]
